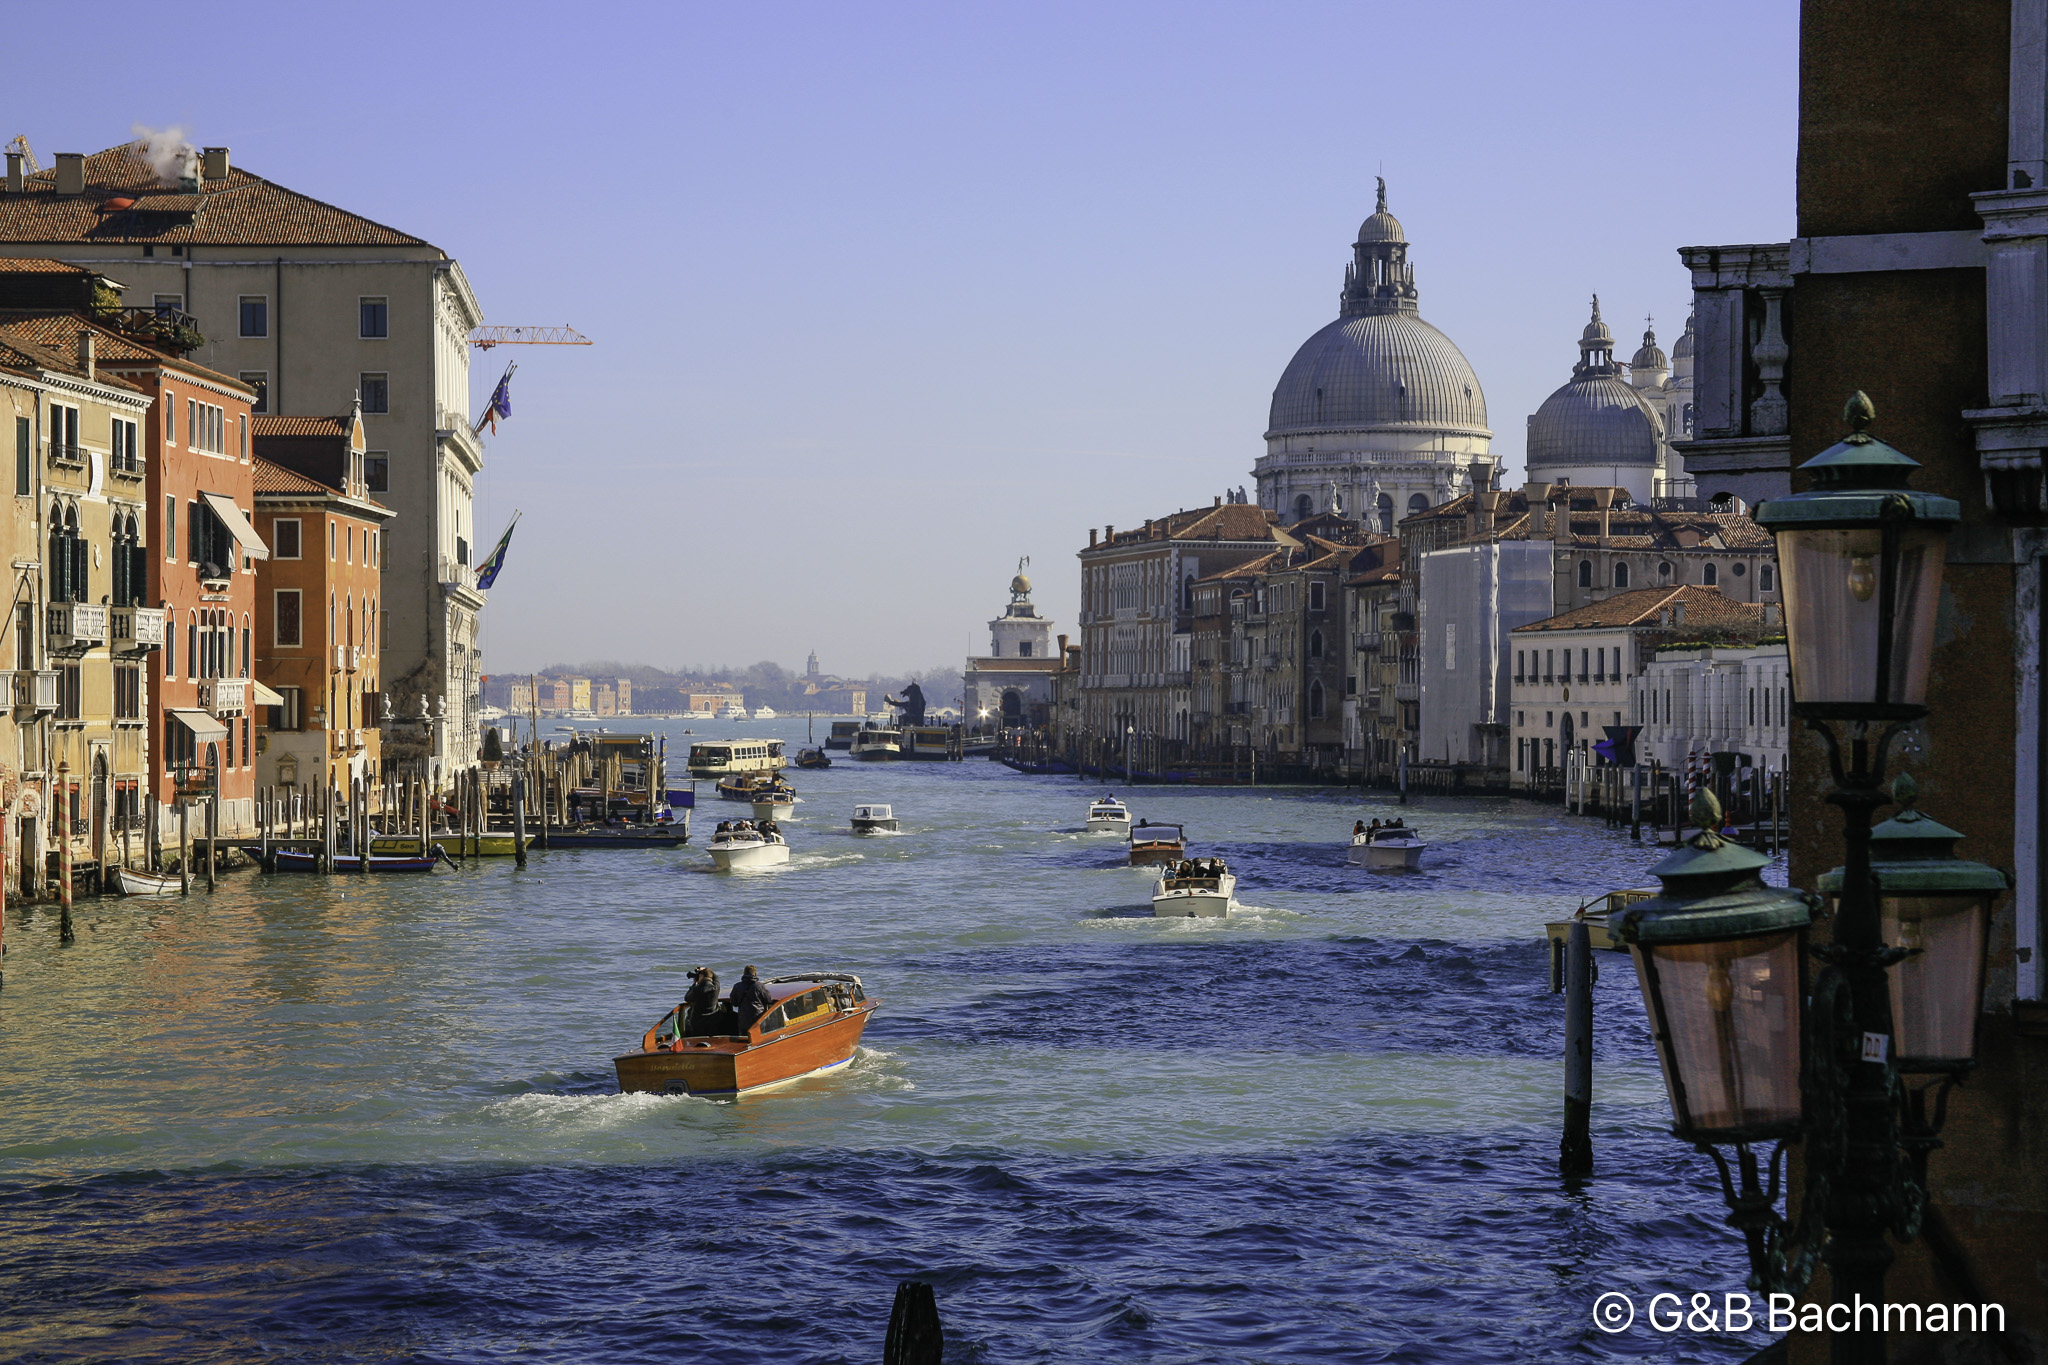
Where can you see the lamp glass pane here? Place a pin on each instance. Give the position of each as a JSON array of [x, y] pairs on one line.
[[1833, 597], [1938, 992], [1731, 1013]]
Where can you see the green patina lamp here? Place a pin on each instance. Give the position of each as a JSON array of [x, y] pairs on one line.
[[1862, 557], [1936, 908], [1721, 959]]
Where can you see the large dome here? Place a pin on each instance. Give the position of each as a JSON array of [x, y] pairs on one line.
[[1380, 369], [1597, 419]]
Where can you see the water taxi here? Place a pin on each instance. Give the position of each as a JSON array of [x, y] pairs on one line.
[[1389, 846], [813, 1026], [1157, 844], [723, 758], [733, 711], [764, 713], [873, 819], [1195, 888], [812, 758], [756, 787], [877, 745], [746, 845], [842, 733], [1109, 816]]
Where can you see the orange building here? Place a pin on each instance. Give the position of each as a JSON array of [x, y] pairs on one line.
[[319, 611]]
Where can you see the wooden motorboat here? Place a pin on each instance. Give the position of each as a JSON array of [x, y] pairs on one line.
[[1157, 844], [129, 881], [292, 860], [1109, 816], [1195, 888], [873, 819], [1598, 914], [757, 787], [1388, 847], [496, 844], [745, 845], [813, 1026], [813, 758], [877, 746]]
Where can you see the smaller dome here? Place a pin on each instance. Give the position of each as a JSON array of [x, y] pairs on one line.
[[1020, 585], [1597, 419], [1683, 350], [1596, 331], [1649, 357]]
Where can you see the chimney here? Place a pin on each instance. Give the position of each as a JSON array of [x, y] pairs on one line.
[[87, 357], [71, 172], [14, 183], [1770, 614], [1678, 612], [1561, 516], [1218, 502], [1603, 499], [1091, 537], [1109, 533], [1063, 649], [1489, 509], [214, 160], [1538, 495]]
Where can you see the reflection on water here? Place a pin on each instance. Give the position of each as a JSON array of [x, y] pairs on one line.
[[375, 1118]]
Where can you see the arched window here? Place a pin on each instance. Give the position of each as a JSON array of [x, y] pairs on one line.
[[1710, 575], [1386, 507], [1585, 573], [1765, 579], [1621, 575], [1315, 698], [1302, 507], [59, 568], [191, 644], [1417, 504], [81, 560], [1315, 645]]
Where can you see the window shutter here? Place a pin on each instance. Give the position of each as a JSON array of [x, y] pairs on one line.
[[138, 585], [81, 579], [195, 533], [23, 460]]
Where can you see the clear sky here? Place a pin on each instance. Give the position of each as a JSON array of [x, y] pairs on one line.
[[888, 295]]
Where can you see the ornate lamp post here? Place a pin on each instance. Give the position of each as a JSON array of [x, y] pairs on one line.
[[1862, 558]]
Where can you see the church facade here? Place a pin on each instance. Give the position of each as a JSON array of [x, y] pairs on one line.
[[1011, 686]]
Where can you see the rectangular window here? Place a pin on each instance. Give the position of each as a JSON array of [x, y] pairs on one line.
[[191, 649], [284, 538], [24, 635], [245, 651], [170, 418], [170, 527], [349, 548], [374, 318], [376, 391], [23, 439], [127, 693], [333, 540], [287, 715], [255, 315], [377, 472], [70, 692], [290, 630], [192, 423], [168, 303], [258, 380]]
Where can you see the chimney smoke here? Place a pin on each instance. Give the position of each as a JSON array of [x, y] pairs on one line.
[[170, 154]]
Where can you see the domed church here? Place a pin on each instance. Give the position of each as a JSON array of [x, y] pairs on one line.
[[1379, 414], [1609, 426]]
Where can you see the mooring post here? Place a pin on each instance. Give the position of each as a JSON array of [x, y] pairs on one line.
[[184, 847], [915, 1334], [63, 826], [212, 838], [1575, 1152], [1635, 803], [519, 820]]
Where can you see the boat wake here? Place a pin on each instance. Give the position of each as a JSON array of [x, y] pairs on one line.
[[824, 859], [574, 1115]]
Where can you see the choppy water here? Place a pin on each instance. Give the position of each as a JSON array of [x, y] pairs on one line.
[[374, 1119]]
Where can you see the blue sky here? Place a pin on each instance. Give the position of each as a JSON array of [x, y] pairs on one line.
[[886, 296]]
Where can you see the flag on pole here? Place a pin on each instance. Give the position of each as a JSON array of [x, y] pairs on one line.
[[500, 404], [488, 571]]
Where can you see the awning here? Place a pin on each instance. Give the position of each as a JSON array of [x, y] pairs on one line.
[[237, 524], [259, 695], [205, 727]]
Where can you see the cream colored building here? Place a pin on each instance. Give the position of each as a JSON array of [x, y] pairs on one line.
[[316, 306]]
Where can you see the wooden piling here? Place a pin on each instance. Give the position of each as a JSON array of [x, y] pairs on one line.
[[518, 821], [359, 826], [212, 838], [63, 826], [1635, 804], [1575, 1152], [184, 847]]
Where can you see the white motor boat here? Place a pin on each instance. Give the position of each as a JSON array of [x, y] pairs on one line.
[[1389, 846], [735, 849], [873, 819], [1194, 888], [1109, 816], [876, 746], [764, 713], [733, 711]]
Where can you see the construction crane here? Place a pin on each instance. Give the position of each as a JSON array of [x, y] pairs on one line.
[[486, 337], [20, 144]]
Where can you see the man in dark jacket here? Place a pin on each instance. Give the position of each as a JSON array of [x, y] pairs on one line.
[[702, 1001], [750, 1000]]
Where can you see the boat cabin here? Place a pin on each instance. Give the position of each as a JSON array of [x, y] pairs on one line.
[[1155, 843], [874, 813], [726, 757], [1194, 874], [796, 1005]]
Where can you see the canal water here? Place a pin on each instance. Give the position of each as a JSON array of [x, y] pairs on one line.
[[375, 1119]]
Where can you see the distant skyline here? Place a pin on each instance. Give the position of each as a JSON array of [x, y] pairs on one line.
[[887, 296]]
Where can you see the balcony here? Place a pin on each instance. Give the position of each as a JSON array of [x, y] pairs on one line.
[[68, 457], [1407, 691], [35, 691], [1367, 643], [190, 780], [223, 696], [136, 630], [127, 469], [455, 574], [75, 627]]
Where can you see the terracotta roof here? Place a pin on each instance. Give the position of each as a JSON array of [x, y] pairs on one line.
[[1251, 568], [30, 349], [58, 331], [281, 424], [275, 478], [38, 265], [241, 210], [1705, 610]]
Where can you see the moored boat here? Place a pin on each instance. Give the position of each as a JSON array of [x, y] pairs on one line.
[[813, 1025], [1598, 915], [292, 860], [875, 745], [130, 881], [841, 734], [744, 844], [873, 819], [496, 844], [931, 743], [1109, 816], [733, 711], [764, 713], [1195, 888], [1389, 847], [620, 836], [1152, 843]]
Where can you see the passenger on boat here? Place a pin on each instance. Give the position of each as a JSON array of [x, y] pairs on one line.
[[701, 1002], [1359, 828], [724, 827], [750, 1000]]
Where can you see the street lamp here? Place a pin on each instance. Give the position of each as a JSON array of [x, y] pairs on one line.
[[1130, 735], [1862, 557]]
